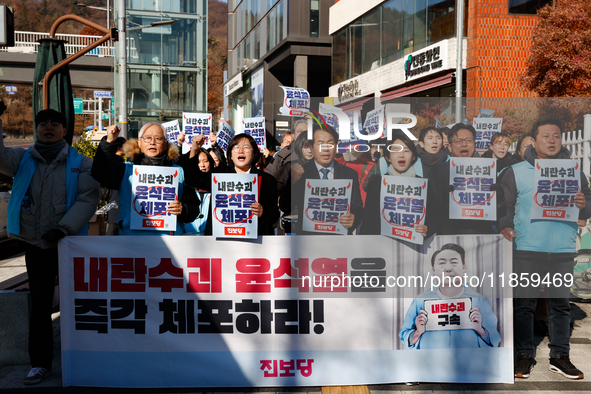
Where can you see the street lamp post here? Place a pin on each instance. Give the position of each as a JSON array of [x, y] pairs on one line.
[[122, 97], [460, 47], [108, 9]]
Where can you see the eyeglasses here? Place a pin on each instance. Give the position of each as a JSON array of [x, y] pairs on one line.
[[460, 141], [501, 144], [158, 140], [53, 124], [243, 148]]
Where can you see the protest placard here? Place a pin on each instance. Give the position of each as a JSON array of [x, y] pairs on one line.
[[472, 197], [403, 203], [225, 134], [255, 127], [195, 124], [557, 182], [485, 128], [296, 101], [325, 201], [172, 131], [232, 195], [153, 188]]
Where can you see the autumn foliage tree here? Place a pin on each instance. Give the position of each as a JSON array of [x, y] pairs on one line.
[[560, 61]]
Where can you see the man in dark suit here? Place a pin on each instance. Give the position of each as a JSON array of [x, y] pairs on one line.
[[324, 167]]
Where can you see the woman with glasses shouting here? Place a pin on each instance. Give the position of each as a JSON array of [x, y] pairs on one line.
[[152, 149], [243, 154]]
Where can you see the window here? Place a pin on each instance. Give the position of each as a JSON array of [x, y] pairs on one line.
[[526, 6]]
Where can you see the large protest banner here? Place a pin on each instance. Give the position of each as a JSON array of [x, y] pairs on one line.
[[189, 312]]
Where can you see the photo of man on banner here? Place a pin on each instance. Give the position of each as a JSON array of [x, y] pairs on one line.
[[449, 265]]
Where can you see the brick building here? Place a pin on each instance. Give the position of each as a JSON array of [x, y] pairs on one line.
[[397, 50]]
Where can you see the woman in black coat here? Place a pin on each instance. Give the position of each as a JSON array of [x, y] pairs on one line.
[[243, 154]]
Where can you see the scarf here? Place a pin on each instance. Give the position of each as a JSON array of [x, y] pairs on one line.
[[50, 151], [431, 159], [409, 173], [156, 161]]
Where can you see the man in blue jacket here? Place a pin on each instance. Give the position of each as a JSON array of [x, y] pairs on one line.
[[53, 195], [542, 247]]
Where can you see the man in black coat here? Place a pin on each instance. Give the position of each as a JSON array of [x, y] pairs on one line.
[[324, 167], [461, 144]]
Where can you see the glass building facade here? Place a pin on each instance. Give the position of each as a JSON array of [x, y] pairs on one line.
[[166, 65], [259, 26], [389, 32]]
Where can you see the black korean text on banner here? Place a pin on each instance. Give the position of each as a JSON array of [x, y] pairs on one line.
[[557, 182], [472, 197]]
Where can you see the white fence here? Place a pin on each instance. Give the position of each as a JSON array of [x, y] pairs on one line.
[[578, 142], [27, 42]]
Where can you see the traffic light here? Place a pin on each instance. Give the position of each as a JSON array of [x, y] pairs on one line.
[[6, 26]]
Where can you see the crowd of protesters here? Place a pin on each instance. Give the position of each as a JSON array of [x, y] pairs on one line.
[[69, 195]]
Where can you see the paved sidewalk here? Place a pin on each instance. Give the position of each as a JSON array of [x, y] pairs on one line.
[[12, 267], [541, 380]]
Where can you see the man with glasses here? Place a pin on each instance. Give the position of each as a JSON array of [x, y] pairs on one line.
[[324, 167], [53, 195], [152, 149], [462, 144], [541, 247]]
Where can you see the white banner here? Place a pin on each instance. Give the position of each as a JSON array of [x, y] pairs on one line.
[[557, 182], [152, 189], [255, 127], [191, 312], [232, 195], [325, 201], [403, 203], [471, 197], [193, 125], [296, 101]]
